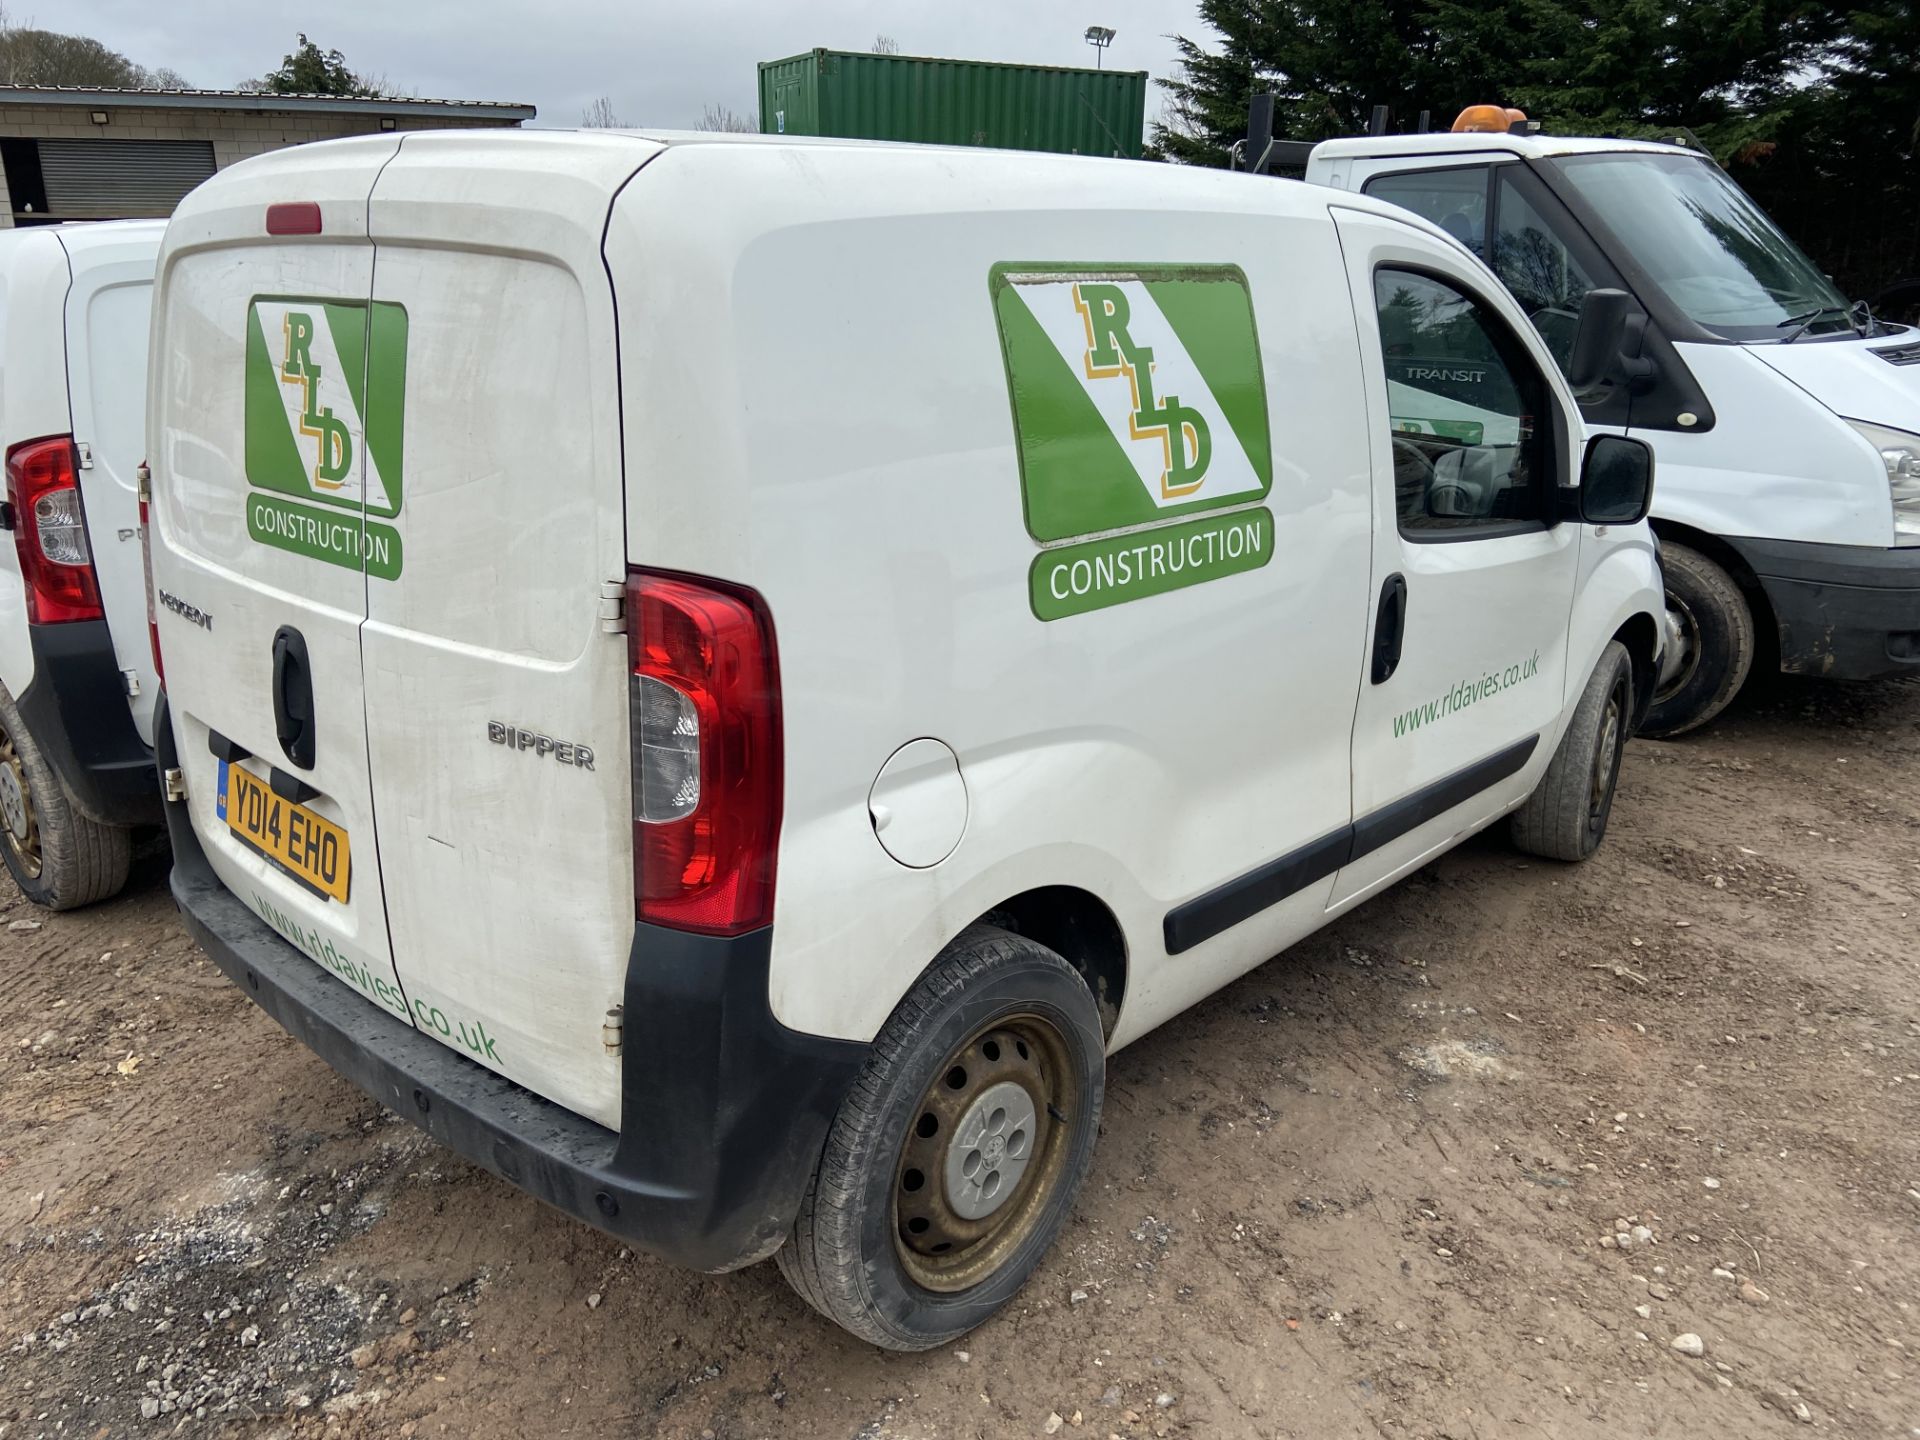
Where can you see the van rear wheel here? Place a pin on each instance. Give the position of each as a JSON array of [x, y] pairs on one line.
[[1566, 816], [1716, 639], [58, 857], [955, 1159]]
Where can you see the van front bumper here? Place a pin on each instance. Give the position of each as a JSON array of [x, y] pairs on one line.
[[1843, 611], [725, 1110]]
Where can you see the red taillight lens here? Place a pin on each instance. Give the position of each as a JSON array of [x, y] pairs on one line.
[[706, 753], [293, 217], [50, 532], [145, 476]]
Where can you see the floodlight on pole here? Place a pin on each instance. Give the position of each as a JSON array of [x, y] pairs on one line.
[[1100, 37]]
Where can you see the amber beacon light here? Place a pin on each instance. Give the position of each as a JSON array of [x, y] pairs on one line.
[[1487, 120]]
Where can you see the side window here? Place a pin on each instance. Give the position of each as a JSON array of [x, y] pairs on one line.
[[1472, 452], [1455, 200], [1535, 265]]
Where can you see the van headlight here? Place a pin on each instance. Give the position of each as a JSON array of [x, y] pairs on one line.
[[1900, 452]]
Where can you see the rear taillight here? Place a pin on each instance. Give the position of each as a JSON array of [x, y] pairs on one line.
[[144, 479], [50, 532], [706, 753]]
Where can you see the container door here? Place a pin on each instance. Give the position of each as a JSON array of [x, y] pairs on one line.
[[107, 313], [1473, 572], [497, 671], [273, 491]]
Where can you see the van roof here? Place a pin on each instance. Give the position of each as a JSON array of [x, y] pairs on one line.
[[1525, 147], [83, 241], [82, 234], [969, 177], [580, 170]]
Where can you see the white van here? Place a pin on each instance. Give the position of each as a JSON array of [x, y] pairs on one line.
[[77, 687], [1786, 421], [737, 670]]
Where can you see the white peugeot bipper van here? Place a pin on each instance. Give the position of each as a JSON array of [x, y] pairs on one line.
[[736, 671], [77, 687], [1787, 422]]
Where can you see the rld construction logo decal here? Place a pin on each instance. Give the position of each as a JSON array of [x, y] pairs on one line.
[[325, 416], [1137, 398]]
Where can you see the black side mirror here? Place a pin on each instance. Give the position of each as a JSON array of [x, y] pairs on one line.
[[1596, 340], [1616, 481]]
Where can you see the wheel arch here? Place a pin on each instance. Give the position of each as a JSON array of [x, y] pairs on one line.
[[1728, 559], [1082, 929], [1642, 638]]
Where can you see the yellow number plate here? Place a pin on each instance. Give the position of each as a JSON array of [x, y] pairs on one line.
[[309, 847]]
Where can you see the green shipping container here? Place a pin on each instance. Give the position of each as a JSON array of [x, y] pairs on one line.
[[954, 102]]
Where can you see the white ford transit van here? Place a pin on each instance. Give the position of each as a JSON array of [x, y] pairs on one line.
[[736, 671], [77, 687], [1787, 422]]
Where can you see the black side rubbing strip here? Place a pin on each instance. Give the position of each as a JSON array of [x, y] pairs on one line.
[[1207, 915], [1220, 909], [1410, 812]]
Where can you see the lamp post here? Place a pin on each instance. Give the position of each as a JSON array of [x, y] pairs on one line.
[[1100, 37]]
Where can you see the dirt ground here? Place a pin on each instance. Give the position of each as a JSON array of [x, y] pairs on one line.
[[1371, 1189]]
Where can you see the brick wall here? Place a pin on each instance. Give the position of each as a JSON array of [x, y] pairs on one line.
[[235, 134]]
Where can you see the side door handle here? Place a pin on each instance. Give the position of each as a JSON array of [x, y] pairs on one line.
[[293, 696], [1389, 628]]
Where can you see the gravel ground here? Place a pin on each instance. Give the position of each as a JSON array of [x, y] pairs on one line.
[[1513, 1150]]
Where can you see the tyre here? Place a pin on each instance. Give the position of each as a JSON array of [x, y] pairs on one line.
[[1716, 636], [954, 1161], [57, 856], [1566, 816]]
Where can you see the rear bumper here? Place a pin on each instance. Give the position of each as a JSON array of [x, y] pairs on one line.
[[1844, 611], [76, 708], [725, 1110]]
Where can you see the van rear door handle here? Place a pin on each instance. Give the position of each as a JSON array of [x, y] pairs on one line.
[[1389, 627], [293, 696]]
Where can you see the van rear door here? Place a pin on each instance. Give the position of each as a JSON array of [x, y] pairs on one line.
[[269, 478], [496, 670], [107, 319]]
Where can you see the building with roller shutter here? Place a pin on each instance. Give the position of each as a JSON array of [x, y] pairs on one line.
[[82, 153]]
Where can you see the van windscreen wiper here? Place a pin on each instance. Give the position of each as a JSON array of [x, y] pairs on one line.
[[1808, 318]]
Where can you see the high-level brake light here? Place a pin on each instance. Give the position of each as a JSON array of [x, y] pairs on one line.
[[293, 217]]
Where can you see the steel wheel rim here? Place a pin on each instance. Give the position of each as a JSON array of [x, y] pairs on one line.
[[951, 1229], [21, 823], [1606, 756], [1689, 650]]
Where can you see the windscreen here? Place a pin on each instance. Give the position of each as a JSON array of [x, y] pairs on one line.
[[1717, 256]]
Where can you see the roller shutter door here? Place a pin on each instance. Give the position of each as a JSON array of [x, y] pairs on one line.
[[121, 179]]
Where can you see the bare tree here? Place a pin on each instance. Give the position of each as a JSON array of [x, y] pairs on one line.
[[720, 117], [885, 45], [387, 89], [44, 57], [599, 116]]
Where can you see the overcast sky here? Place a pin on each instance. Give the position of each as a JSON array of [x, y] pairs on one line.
[[661, 65]]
